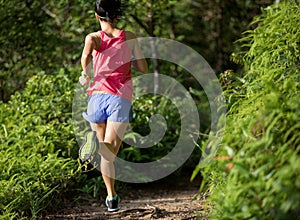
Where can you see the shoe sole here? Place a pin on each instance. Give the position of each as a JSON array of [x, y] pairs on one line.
[[88, 150], [113, 210]]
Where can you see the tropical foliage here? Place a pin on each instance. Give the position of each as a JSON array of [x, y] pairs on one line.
[[41, 43], [255, 174], [37, 146]]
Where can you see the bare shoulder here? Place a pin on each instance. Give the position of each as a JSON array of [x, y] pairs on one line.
[[130, 35], [131, 39], [93, 35], [94, 38]]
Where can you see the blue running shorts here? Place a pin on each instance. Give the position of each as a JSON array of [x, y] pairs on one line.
[[107, 107]]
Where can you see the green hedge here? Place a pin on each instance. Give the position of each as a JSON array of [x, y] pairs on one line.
[[256, 172]]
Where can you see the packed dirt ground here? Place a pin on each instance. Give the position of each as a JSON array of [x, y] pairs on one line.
[[171, 199]]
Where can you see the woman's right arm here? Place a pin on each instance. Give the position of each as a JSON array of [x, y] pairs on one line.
[[92, 41], [86, 57]]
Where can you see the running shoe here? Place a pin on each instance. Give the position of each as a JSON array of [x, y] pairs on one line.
[[113, 203], [88, 152]]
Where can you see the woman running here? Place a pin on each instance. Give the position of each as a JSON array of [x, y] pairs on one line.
[[110, 94]]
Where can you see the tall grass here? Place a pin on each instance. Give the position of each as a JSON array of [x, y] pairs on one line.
[[256, 174]]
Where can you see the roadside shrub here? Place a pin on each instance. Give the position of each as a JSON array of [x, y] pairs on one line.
[[37, 145], [256, 172]]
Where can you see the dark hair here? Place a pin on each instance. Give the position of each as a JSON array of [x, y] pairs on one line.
[[108, 9]]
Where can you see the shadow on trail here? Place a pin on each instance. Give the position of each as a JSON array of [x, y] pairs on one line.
[[163, 199]]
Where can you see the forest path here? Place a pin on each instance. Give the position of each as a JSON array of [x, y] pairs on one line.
[[157, 200]]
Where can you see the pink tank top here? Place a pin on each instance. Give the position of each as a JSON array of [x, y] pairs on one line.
[[112, 67]]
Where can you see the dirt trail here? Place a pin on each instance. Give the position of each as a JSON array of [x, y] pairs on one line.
[[160, 200]]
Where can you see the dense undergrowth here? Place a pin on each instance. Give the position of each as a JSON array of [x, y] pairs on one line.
[[37, 146], [40, 137], [256, 172]]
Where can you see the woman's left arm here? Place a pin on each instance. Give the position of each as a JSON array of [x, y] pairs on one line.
[[139, 62]]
